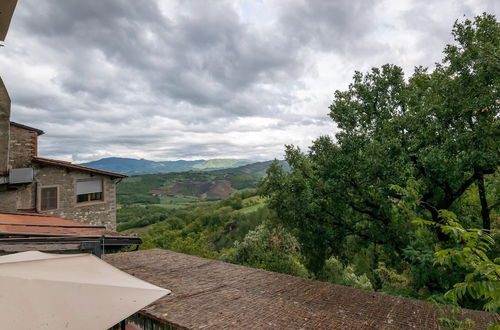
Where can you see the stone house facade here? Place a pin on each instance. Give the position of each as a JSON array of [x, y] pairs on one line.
[[29, 183]]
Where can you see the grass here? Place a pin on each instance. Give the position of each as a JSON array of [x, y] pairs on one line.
[[252, 204], [253, 200], [251, 209], [178, 199], [136, 230], [177, 202], [180, 202]]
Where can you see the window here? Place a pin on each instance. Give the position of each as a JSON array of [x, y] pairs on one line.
[[89, 190], [48, 198]]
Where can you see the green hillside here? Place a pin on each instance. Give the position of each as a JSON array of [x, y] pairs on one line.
[[237, 229], [136, 189], [222, 163], [219, 223]]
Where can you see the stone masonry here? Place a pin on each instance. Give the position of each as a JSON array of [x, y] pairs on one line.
[[8, 200], [7, 196], [23, 145], [4, 127], [18, 149], [93, 213]]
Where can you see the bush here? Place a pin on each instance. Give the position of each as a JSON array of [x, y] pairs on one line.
[[270, 248], [335, 272]]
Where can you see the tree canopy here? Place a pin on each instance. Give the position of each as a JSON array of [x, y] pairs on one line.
[[421, 147], [405, 148]]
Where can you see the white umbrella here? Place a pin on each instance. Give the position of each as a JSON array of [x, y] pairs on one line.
[[68, 291]]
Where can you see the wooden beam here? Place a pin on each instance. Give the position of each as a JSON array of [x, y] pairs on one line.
[[11, 248]]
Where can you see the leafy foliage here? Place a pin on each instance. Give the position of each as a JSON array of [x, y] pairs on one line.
[[335, 272], [341, 212], [139, 216], [434, 135], [268, 247], [482, 281], [207, 228]]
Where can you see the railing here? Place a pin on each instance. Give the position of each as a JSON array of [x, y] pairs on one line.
[[140, 321]]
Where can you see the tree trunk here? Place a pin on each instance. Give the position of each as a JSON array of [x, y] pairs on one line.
[[485, 212], [377, 282]]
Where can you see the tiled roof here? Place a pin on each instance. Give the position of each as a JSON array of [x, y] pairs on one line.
[[42, 224], [61, 163], [32, 231], [209, 294], [38, 131]]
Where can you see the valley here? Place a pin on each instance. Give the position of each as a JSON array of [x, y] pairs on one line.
[[147, 199]]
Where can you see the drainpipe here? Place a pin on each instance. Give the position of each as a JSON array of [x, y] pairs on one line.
[[37, 197]]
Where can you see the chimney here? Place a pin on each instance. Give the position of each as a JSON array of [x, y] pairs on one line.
[[4, 128]]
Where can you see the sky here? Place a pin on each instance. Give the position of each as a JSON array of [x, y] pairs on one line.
[[182, 79]]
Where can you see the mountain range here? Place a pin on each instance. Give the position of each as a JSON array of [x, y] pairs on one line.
[[130, 166]]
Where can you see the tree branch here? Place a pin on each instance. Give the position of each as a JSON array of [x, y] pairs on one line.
[[348, 227], [497, 203]]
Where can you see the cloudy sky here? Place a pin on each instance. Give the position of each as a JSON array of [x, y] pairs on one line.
[[181, 79]]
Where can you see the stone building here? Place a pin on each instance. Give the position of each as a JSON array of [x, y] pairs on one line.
[[29, 183]]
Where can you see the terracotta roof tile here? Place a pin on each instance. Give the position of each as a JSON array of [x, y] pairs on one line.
[[210, 294], [42, 224]]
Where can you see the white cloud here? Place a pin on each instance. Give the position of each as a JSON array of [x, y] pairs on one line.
[[193, 79]]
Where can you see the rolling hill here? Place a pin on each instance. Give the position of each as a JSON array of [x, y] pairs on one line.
[[130, 166], [215, 184]]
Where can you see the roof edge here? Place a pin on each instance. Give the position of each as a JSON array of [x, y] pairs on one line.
[[61, 163], [29, 128]]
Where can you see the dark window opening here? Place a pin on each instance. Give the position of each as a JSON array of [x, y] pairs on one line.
[[89, 190], [89, 197], [48, 198]]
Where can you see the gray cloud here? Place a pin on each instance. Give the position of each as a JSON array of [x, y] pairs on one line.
[[341, 26], [198, 79]]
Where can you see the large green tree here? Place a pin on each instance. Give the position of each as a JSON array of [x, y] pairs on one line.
[[432, 136]]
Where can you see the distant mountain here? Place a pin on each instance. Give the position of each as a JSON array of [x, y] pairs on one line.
[[130, 166]]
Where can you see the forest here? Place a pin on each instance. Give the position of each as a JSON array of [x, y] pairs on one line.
[[403, 199]]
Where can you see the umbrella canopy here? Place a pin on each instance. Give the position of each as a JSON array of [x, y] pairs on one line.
[[68, 291]]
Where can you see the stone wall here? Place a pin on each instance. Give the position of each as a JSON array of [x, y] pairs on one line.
[[23, 145], [7, 199], [4, 128], [21, 198], [17, 148], [93, 213], [26, 197]]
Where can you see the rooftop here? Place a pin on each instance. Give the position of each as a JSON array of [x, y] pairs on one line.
[[38, 131], [211, 294], [48, 161], [45, 224], [33, 231]]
